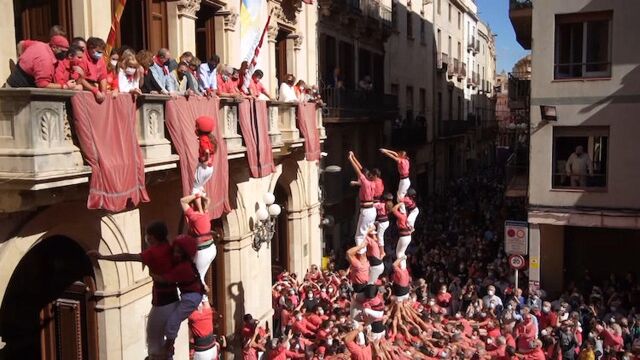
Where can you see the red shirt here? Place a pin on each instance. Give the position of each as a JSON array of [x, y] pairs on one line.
[[316, 320], [409, 203], [226, 87], [549, 319], [186, 276], [381, 210], [38, 61], [201, 322], [359, 273], [536, 354], [401, 222], [359, 352], [159, 260], [443, 299], [94, 70], [378, 188], [199, 224], [204, 145], [400, 276], [611, 339], [373, 249], [366, 189], [256, 88], [112, 80], [64, 71], [403, 168], [249, 353]]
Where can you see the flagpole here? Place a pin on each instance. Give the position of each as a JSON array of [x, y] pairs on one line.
[[115, 24]]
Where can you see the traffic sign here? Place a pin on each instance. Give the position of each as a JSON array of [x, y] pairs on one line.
[[516, 237], [517, 262]]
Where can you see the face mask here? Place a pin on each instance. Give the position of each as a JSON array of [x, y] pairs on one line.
[[114, 63], [61, 55], [97, 55], [167, 62], [130, 71], [329, 342]]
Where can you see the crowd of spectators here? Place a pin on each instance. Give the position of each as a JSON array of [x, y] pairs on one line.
[[80, 64], [462, 302]]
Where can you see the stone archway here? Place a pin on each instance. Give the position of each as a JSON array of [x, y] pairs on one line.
[[48, 308]]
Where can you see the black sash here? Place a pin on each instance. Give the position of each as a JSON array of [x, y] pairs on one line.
[[204, 343], [377, 327], [400, 290]]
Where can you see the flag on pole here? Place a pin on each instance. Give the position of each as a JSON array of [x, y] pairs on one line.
[[252, 33], [115, 24]]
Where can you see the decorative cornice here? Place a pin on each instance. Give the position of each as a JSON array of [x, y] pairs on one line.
[[230, 19], [272, 31]]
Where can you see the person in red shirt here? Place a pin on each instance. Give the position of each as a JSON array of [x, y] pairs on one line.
[[36, 66], [317, 317], [404, 230], [535, 352], [256, 89], [226, 84], [302, 326], [375, 255], [358, 274], [69, 69], [547, 317], [164, 296], [185, 275], [443, 298], [203, 341], [401, 158], [112, 72], [412, 209], [200, 228], [251, 346], [95, 69], [207, 146], [382, 218], [525, 332], [401, 280], [357, 345], [367, 212], [612, 337]]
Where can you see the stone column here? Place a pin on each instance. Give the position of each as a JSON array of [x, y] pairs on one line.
[[225, 22], [7, 29], [534, 256], [181, 18], [272, 34], [91, 18]]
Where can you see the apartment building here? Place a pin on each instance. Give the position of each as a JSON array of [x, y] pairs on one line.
[[583, 198], [55, 302]]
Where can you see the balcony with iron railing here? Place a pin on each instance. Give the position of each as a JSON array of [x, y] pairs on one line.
[[471, 45], [386, 16], [521, 14], [519, 91], [452, 128], [463, 71], [39, 146], [346, 103]]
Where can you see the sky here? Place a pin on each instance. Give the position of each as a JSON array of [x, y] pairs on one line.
[[496, 14]]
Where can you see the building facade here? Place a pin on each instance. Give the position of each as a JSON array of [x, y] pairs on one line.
[[100, 308], [583, 201]]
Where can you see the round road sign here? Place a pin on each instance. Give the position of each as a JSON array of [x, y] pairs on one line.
[[517, 262]]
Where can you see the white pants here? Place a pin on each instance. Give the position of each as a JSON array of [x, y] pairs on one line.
[[211, 354], [204, 258], [403, 186], [203, 174], [376, 336], [365, 220], [381, 228], [402, 298], [403, 244], [375, 272], [156, 322], [411, 218]]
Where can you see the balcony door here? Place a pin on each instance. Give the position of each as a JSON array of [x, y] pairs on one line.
[[206, 31], [143, 25], [34, 18]]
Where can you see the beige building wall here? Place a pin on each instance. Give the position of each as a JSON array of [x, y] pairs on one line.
[[608, 102]]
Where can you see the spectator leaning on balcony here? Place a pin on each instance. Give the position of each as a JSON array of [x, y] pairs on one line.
[[129, 75], [301, 91], [287, 93], [37, 65], [160, 72], [24, 44], [226, 84], [69, 68], [256, 88], [95, 69], [183, 80], [209, 75], [112, 71]]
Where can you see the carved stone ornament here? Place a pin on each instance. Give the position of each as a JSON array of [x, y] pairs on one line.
[[285, 12], [49, 126], [188, 8], [153, 124], [230, 20], [297, 41], [272, 31]]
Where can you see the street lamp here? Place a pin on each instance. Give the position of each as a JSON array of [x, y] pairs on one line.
[[266, 216]]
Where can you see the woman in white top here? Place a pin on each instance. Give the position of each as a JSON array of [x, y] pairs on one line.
[[129, 75]]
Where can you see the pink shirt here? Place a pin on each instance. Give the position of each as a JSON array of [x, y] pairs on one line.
[[400, 276], [373, 249], [256, 88], [378, 187], [359, 273], [408, 203], [359, 352], [94, 70], [381, 209], [366, 189], [403, 167], [39, 61], [401, 221]]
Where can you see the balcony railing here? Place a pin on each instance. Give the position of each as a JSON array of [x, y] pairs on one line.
[[471, 46], [39, 149], [462, 73], [519, 90], [386, 16], [517, 175], [521, 14], [450, 128], [456, 66], [451, 69], [352, 103], [370, 8]]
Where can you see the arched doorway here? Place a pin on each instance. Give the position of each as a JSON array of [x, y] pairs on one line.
[[280, 242], [48, 309]]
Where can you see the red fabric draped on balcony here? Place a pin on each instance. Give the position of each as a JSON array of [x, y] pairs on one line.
[[107, 136], [309, 129], [254, 123], [181, 122]]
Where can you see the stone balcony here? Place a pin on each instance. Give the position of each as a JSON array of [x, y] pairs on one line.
[[38, 148]]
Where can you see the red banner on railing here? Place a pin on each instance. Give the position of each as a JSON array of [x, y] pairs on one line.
[[254, 124], [308, 127], [107, 136], [181, 121]]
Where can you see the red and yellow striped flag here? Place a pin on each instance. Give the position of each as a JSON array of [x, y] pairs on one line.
[[115, 24]]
